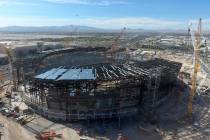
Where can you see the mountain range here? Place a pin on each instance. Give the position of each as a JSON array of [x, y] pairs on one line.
[[75, 29]]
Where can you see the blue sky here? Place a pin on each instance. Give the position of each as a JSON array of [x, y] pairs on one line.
[[148, 14]]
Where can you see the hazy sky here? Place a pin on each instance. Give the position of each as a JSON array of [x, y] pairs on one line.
[[149, 14]]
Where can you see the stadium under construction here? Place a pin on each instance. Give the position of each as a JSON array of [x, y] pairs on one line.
[[100, 90]]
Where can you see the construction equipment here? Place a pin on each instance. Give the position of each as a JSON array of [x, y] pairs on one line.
[[79, 131], [188, 37], [70, 40], [196, 41], [114, 47], [26, 120], [120, 137], [49, 135], [12, 77], [2, 75]]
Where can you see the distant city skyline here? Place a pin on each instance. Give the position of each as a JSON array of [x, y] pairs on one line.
[[112, 14]]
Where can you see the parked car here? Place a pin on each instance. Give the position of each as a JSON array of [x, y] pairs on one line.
[[21, 117], [3, 109], [5, 112]]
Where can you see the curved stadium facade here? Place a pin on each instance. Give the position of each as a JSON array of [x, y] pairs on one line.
[[99, 91]]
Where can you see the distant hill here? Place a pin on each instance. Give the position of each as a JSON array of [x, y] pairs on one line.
[[77, 28], [65, 29]]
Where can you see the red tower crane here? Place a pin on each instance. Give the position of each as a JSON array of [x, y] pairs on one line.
[[114, 47]]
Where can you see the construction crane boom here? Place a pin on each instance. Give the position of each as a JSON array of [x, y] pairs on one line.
[[196, 60], [114, 44]]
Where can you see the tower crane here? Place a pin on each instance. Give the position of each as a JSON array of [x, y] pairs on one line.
[[12, 79], [8, 51], [188, 37], [196, 41], [114, 47], [67, 40]]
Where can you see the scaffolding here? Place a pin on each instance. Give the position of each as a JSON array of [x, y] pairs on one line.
[[151, 95], [102, 91], [99, 91]]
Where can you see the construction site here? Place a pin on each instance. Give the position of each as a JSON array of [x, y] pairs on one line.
[[120, 92]]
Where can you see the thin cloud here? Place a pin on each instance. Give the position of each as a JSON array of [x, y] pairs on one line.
[[136, 22], [15, 2], [89, 2]]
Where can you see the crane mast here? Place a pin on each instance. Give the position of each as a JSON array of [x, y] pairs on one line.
[[196, 63], [114, 45], [114, 48]]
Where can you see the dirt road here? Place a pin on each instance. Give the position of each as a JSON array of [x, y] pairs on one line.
[[13, 131]]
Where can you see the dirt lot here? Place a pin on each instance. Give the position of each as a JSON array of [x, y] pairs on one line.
[[13, 131]]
